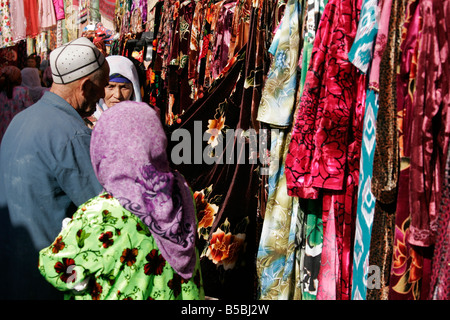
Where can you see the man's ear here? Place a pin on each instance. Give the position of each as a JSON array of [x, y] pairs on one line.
[[85, 85]]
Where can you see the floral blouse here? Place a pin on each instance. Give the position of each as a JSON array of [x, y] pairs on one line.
[[106, 252]]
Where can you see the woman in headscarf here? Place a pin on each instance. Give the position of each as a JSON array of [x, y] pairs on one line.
[[123, 85], [13, 97], [32, 80], [136, 240]]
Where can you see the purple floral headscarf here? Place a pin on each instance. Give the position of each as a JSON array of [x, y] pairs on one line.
[[128, 153]]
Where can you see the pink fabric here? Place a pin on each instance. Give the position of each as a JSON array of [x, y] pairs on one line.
[[430, 129], [18, 23], [385, 12], [328, 271], [59, 9], [47, 15]]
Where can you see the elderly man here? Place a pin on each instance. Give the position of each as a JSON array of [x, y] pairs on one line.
[[45, 166]]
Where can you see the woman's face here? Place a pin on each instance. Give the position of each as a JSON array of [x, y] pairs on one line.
[[116, 92]]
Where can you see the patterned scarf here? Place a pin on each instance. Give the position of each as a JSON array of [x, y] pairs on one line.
[[128, 152]]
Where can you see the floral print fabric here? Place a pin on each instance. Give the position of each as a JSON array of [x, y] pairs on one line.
[[278, 96], [6, 32], [106, 252], [320, 143]]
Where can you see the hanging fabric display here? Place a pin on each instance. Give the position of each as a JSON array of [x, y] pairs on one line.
[[361, 56], [322, 155], [314, 134]]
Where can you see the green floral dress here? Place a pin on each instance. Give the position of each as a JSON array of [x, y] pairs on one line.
[[106, 252]]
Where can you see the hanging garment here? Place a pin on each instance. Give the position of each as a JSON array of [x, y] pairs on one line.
[[31, 15], [318, 152], [277, 101], [385, 163], [361, 56], [59, 9], [429, 144], [421, 188], [289, 251], [178, 84], [322, 154], [226, 242], [6, 32], [278, 259], [47, 15], [407, 262], [439, 283], [18, 23]]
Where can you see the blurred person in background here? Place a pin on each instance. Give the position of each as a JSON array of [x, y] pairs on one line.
[[32, 81], [13, 97]]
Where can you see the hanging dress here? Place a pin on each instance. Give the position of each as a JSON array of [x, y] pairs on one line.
[[361, 56], [322, 155]]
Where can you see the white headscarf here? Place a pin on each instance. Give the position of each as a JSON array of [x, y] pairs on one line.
[[125, 67]]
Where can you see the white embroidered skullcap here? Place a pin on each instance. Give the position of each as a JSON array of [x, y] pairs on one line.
[[75, 60]]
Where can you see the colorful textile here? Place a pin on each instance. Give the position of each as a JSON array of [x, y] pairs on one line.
[[366, 201], [314, 13], [386, 156], [59, 9], [361, 52], [431, 109], [47, 15], [227, 235], [277, 101], [6, 32], [278, 256], [361, 56], [440, 280], [107, 8], [131, 266], [18, 23], [31, 15], [317, 154], [407, 261], [291, 240], [322, 155]]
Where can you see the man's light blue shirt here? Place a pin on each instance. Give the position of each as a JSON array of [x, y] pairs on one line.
[[46, 171]]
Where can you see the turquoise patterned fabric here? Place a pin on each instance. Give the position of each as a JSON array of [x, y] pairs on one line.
[[361, 52], [361, 55], [366, 200]]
